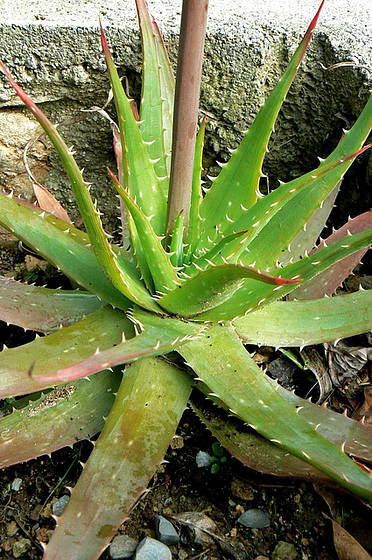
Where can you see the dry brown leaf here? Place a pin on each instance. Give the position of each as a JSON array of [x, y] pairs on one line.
[[49, 203], [346, 546], [365, 411]]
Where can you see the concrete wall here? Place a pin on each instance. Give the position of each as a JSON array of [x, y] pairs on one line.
[[52, 48]]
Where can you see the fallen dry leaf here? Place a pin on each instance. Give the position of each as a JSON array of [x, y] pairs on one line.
[[346, 546]]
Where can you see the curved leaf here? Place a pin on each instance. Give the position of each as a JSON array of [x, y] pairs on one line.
[[307, 322], [126, 454], [66, 252], [157, 97], [139, 172], [159, 335], [232, 375], [59, 418], [106, 257], [250, 297], [327, 282], [42, 309], [255, 451], [158, 261], [102, 329], [236, 187], [213, 286]]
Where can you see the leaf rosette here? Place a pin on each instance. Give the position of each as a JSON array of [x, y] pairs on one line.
[[197, 290]]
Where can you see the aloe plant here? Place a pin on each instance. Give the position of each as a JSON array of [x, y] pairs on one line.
[[193, 286]]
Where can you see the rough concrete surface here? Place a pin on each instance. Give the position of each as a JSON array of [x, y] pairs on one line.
[[52, 48]]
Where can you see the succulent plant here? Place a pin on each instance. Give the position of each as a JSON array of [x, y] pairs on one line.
[[201, 276]]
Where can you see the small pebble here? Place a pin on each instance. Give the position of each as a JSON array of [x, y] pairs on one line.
[[165, 531], [122, 547], [59, 506], [16, 484], [284, 551], [20, 547], [254, 519], [150, 549], [203, 459], [11, 528]]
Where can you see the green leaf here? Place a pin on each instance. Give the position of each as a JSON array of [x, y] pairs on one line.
[[176, 245], [215, 255], [278, 219], [193, 232], [327, 282], [235, 189], [139, 252], [307, 322], [252, 295], [307, 238], [210, 288], [62, 246], [158, 261], [144, 186], [151, 399], [253, 450], [159, 335], [156, 114], [102, 329], [225, 366], [106, 257], [43, 309], [59, 418], [339, 429]]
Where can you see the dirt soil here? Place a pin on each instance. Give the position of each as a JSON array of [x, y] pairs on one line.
[[299, 513]]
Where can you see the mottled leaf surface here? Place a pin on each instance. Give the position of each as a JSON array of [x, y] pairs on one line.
[[61, 417], [231, 374], [159, 335], [43, 309], [300, 323], [137, 432], [102, 329]]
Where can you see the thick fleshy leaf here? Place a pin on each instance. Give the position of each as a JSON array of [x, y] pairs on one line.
[[235, 188], [306, 240], [159, 335], [282, 215], [102, 329], [326, 283], [253, 450], [157, 98], [176, 245], [167, 85], [232, 375], [61, 417], [210, 288], [61, 245], [193, 232], [213, 256], [106, 257], [43, 309], [251, 296], [144, 186], [305, 323], [340, 430], [137, 432], [163, 272], [138, 251], [353, 436]]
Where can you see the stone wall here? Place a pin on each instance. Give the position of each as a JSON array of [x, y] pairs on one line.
[[53, 51]]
